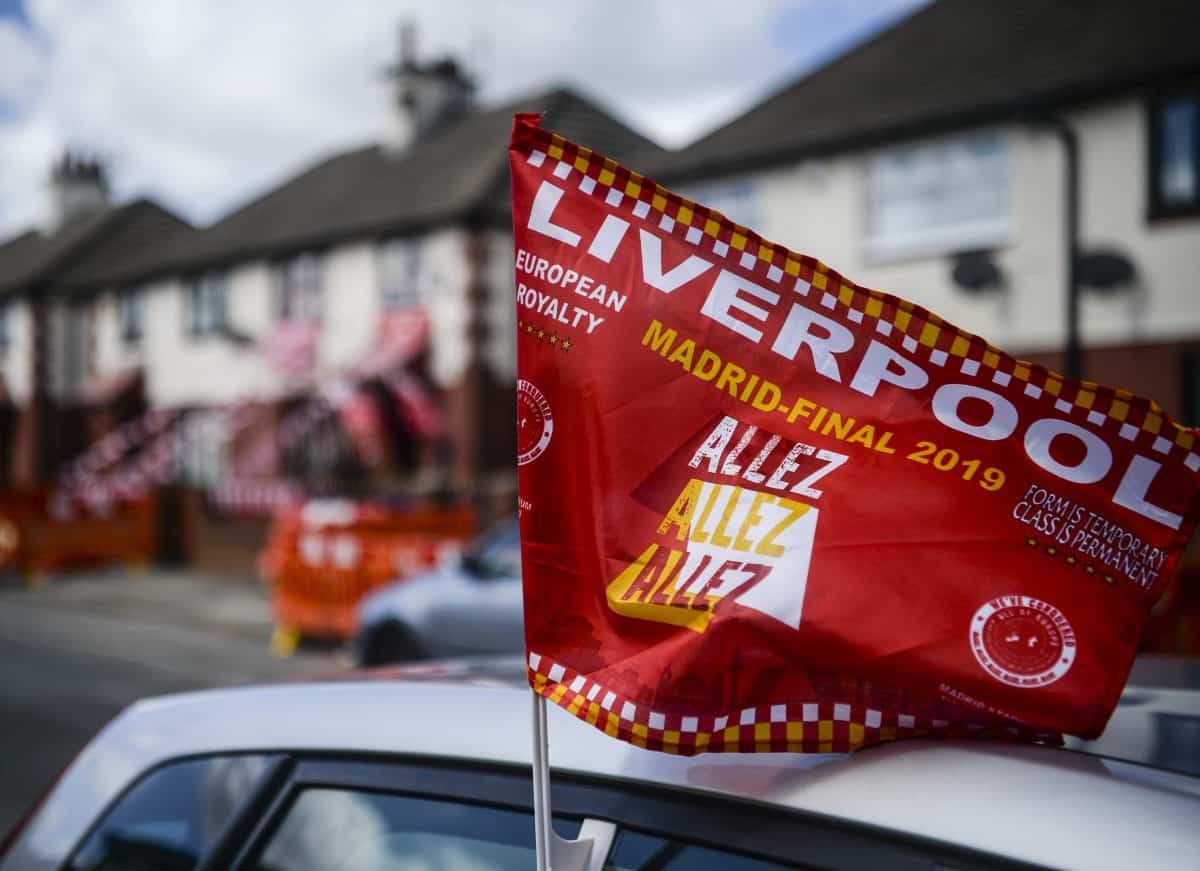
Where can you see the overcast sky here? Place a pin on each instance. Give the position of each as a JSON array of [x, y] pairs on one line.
[[204, 104]]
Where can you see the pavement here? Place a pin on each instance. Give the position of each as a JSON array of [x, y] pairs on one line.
[[78, 649]]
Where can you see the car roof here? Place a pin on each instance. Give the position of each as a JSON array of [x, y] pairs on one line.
[[1032, 803]]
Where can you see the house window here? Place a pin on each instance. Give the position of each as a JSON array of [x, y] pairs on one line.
[[399, 273], [130, 315], [736, 199], [207, 303], [76, 345], [1175, 155], [951, 195], [300, 288]]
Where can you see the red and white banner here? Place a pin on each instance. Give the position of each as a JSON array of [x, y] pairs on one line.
[[763, 508], [400, 337], [122, 465], [291, 347]]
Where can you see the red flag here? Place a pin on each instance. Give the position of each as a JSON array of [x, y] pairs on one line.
[[763, 508]]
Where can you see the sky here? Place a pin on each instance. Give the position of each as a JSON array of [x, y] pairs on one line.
[[205, 105]]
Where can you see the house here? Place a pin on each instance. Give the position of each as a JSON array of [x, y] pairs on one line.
[[930, 162], [53, 401], [352, 328]]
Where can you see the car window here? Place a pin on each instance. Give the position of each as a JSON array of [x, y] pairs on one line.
[[635, 851], [344, 830], [169, 818]]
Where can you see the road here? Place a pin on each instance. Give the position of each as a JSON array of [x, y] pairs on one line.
[[73, 654]]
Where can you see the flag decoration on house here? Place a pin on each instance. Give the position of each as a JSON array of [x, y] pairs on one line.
[[766, 509], [400, 337], [290, 347], [122, 465]]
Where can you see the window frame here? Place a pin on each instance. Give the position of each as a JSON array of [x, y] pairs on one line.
[[295, 301], [77, 361], [415, 297], [938, 242], [731, 825], [274, 776], [131, 299], [194, 325], [754, 829], [1157, 209]]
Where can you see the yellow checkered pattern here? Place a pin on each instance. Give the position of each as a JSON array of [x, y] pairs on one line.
[[804, 727]]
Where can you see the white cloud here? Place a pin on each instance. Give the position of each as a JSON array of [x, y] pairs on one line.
[[205, 104], [20, 61]]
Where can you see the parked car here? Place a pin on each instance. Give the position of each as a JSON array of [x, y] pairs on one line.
[[432, 770], [469, 605]]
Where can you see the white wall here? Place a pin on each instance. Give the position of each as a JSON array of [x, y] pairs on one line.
[[351, 305], [444, 276], [818, 208], [182, 369], [111, 352], [1167, 253], [16, 360]]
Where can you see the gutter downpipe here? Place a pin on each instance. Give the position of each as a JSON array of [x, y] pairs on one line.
[[1070, 149]]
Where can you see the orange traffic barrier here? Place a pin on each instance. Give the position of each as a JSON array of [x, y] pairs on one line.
[[323, 557], [18, 510], [35, 539]]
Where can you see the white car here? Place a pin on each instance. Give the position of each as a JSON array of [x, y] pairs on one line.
[[431, 770], [469, 605]]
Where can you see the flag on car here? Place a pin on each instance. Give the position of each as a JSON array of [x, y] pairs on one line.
[[765, 509]]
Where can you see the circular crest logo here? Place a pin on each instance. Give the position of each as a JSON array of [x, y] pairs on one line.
[[1022, 641], [535, 423]]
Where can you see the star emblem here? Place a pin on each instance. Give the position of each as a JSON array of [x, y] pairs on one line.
[[566, 344]]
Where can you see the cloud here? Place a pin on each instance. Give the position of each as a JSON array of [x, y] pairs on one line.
[[204, 105], [20, 62]]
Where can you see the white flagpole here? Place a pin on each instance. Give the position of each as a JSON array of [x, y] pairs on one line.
[[589, 850], [541, 784]]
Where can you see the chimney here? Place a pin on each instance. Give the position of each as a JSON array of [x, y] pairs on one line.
[[425, 97], [78, 188]]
